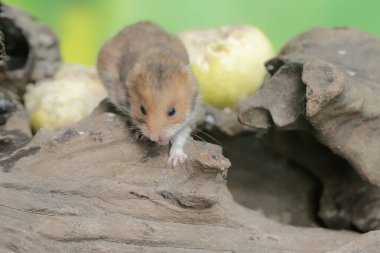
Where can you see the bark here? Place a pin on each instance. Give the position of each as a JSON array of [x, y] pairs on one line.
[[31, 50], [324, 87], [2, 48], [92, 188], [326, 81]]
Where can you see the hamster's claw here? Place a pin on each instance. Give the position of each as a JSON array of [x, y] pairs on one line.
[[176, 156]]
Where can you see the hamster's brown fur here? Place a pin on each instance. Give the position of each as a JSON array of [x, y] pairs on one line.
[[147, 73]]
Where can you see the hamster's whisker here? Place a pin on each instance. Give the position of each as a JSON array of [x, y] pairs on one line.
[[209, 136], [198, 137]]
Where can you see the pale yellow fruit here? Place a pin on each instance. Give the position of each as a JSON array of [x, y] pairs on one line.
[[228, 62], [70, 96]]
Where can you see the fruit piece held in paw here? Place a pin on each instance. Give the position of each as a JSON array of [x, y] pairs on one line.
[[177, 156]]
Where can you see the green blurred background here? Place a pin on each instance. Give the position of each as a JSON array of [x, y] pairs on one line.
[[84, 25]]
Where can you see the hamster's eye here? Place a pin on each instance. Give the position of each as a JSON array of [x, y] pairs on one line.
[[143, 111], [171, 112]]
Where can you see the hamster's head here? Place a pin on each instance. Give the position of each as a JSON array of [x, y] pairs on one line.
[[162, 99]]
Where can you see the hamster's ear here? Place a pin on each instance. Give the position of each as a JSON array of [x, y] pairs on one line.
[[187, 72], [187, 68], [136, 75], [189, 75]]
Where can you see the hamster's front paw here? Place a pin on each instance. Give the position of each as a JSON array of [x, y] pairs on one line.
[[176, 155]]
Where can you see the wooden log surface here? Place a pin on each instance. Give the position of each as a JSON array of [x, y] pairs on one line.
[[90, 188]]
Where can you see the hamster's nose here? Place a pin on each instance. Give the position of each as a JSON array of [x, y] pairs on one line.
[[158, 139], [153, 138]]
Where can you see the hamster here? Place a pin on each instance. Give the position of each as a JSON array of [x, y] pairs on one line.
[[148, 76]]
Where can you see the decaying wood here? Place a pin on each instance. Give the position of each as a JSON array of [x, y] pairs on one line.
[[326, 81], [347, 201], [324, 86], [90, 188], [31, 50], [15, 130], [2, 48]]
